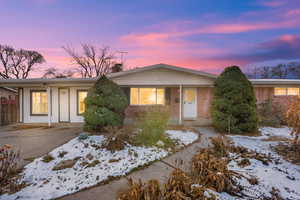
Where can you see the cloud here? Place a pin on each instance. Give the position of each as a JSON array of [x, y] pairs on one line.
[[293, 12], [285, 47], [272, 3], [43, 2]]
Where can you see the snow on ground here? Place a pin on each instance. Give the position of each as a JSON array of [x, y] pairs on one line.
[[279, 174], [48, 184], [279, 132], [183, 138]]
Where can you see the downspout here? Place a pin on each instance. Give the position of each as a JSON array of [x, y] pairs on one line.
[[49, 105], [180, 104]]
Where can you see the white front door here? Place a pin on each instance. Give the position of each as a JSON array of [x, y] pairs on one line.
[[189, 102], [63, 105]]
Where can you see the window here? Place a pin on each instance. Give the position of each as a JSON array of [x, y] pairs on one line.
[[293, 91], [280, 91], [147, 96], [286, 91], [81, 95], [39, 103]]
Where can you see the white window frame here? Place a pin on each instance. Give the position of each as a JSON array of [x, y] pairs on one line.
[[31, 103]]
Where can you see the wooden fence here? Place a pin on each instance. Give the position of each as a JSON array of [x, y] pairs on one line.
[[8, 111]]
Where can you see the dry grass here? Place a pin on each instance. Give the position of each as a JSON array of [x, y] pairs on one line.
[[276, 139], [208, 171], [179, 186], [212, 172], [220, 146], [244, 162], [248, 154], [117, 138], [141, 191], [9, 161], [48, 158], [290, 152]]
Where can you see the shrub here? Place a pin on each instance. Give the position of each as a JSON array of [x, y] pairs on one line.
[[48, 158], [152, 127], [9, 160], [234, 103], [293, 118], [117, 138], [83, 136], [105, 105], [270, 114]]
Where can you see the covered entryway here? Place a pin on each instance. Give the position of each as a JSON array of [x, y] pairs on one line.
[[189, 103]]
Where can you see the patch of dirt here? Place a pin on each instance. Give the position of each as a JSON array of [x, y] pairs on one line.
[[182, 128], [64, 165], [25, 126], [290, 152], [93, 164], [253, 134], [276, 139]]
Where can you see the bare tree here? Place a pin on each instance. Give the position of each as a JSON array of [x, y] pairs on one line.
[[259, 72], [280, 71], [93, 61], [118, 67], [18, 63], [53, 72], [265, 72]]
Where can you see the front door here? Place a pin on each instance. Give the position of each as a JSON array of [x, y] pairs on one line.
[[63, 105], [189, 102]]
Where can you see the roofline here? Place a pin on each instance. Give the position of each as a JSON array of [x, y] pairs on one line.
[[161, 65], [9, 89], [52, 80], [275, 81]]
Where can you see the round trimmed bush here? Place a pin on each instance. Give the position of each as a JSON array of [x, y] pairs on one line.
[[234, 103], [105, 105]]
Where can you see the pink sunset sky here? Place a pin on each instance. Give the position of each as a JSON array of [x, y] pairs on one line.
[[198, 34]]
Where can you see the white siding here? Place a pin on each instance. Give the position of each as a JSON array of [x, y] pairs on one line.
[[163, 77], [55, 108], [21, 105], [73, 104]]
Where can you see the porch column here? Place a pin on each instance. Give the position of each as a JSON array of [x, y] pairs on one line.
[[49, 105], [20, 106], [180, 104]]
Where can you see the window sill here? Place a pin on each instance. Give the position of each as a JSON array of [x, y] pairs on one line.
[[286, 95]]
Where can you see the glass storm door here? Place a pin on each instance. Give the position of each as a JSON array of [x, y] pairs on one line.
[[189, 102]]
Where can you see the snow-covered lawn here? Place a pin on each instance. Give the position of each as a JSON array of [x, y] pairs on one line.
[[92, 166], [280, 174]]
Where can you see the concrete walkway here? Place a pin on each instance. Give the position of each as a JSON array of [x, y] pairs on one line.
[[36, 142], [157, 170]]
